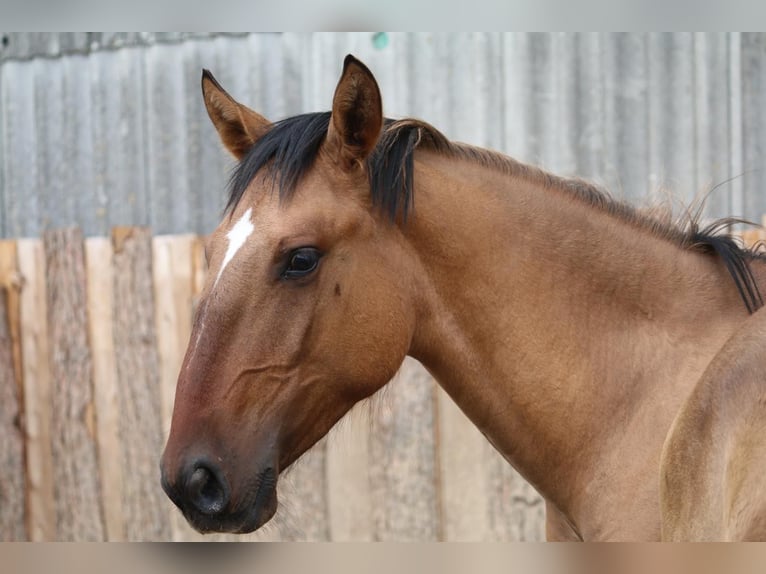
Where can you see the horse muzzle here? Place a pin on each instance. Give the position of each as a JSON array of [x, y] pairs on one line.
[[205, 497]]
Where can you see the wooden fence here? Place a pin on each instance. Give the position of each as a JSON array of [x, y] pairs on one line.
[[92, 333]]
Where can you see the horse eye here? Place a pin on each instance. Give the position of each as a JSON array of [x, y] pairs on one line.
[[302, 262]]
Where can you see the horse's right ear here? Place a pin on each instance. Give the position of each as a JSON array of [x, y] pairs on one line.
[[239, 126], [357, 114]]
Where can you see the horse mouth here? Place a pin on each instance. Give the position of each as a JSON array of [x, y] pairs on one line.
[[256, 509]]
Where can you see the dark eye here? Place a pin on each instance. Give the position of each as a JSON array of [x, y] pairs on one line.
[[301, 262]]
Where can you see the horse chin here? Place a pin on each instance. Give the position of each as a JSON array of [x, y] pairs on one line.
[[262, 511]]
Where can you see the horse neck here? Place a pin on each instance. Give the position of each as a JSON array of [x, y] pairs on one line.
[[552, 323]]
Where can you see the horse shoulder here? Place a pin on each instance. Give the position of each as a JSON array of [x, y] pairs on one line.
[[714, 458]]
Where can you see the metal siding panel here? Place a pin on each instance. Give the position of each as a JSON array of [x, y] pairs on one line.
[[626, 136], [292, 87], [55, 204], [736, 158], [754, 123], [78, 185], [195, 166], [516, 98], [20, 149], [119, 138], [565, 102], [24, 45], [216, 161], [475, 91], [586, 107], [103, 192], [28, 45], [4, 192], [633, 112], [713, 166], [170, 207], [396, 66], [435, 96], [268, 74], [671, 113], [426, 75], [541, 112]]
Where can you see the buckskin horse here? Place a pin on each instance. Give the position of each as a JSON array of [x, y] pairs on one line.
[[615, 358]]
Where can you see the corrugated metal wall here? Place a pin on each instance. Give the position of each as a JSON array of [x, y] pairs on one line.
[[109, 129]]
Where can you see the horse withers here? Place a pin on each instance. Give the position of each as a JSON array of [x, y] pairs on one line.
[[572, 329]]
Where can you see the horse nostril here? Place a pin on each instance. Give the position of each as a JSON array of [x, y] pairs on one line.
[[206, 491]]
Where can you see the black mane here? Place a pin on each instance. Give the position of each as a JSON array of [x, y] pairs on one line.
[[290, 147]]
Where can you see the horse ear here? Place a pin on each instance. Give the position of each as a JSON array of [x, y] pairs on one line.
[[239, 126], [357, 113]]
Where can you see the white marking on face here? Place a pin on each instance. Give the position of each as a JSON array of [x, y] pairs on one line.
[[237, 236]]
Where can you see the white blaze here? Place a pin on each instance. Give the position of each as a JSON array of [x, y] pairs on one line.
[[237, 236]]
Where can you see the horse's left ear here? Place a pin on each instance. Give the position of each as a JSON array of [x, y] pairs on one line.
[[357, 113]]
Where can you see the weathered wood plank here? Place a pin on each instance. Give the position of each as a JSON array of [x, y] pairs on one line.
[[138, 381], [73, 439], [98, 257], [483, 498], [12, 474], [515, 510], [173, 293], [403, 472], [463, 486], [173, 268], [36, 375], [349, 502], [303, 499], [11, 279]]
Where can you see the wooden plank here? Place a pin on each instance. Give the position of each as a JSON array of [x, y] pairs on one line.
[[464, 492], [73, 436], [349, 502], [10, 278], [12, 474], [138, 382], [36, 376], [303, 501], [98, 257], [173, 269], [403, 474], [73, 439], [515, 510], [483, 498], [199, 270]]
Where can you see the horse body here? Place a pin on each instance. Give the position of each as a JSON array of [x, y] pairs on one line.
[[570, 329]]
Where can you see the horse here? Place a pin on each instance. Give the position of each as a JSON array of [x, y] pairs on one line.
[[614, 357]]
